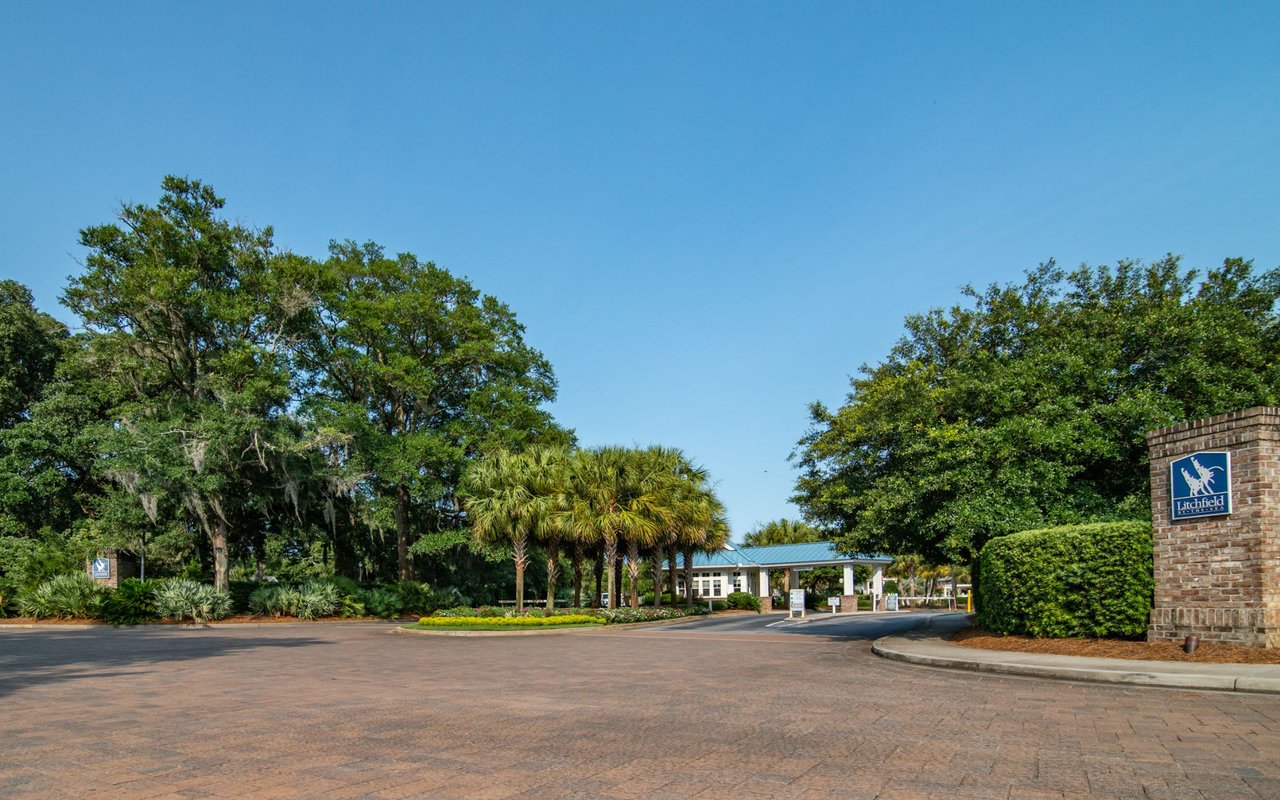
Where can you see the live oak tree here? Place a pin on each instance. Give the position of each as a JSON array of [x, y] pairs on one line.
[[1027, 406], [177, 304], [423, 371]]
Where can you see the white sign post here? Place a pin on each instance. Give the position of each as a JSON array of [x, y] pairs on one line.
[[796, 600], [834, 602]]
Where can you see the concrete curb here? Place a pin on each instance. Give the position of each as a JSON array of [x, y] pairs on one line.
[[926, 648]]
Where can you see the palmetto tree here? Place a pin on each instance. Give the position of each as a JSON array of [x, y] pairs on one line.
[[514, 498], [907, 567], [613, 497]]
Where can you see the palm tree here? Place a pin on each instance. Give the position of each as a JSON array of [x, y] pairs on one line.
[[612, 498], [511, 498], [908, 568], [782, 531]]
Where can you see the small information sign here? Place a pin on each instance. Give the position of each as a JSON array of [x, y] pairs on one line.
[[102, 569], [1200, 485], [795, 600], [890, 602]]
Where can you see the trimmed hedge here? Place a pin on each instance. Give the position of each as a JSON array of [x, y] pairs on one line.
[[1071, 581]]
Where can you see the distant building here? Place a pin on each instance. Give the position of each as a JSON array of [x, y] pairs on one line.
[[746, 569]]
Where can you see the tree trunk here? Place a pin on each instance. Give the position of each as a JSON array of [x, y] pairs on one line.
[[610, 558], [599, 568], [688, 576], [259, 555], [520, 554], [633, 572], [615, 598], [655, 557], [671, 569], [553, 572], [577, 575], [402, 533], [218, 539]]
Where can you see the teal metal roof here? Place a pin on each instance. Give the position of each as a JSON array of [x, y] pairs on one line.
[[777, 555]]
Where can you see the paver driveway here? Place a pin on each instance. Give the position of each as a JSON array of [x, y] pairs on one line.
[[351, 711]]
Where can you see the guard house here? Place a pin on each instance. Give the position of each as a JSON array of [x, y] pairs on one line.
[[747, 569]]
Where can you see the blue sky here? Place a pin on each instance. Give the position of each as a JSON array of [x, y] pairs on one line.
[[707, 214]]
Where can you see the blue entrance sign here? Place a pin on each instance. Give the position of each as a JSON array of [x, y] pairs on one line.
[[102, 568], [1200, 485]]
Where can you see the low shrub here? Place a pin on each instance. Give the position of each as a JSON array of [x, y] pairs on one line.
[[351, 605], [266, 601], [745, 601], [1071, 581], [75, 596], [456, 611], [317, 599], [241, 593], [133, 602], [647, 613], [186, 599], [509, 622], [381, 602]]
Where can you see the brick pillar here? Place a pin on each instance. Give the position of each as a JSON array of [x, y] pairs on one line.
[[1219, 577], [120, 565]]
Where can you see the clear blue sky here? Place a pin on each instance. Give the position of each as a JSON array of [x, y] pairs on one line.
[[707, 214]]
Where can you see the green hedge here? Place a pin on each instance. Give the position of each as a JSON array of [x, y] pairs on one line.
[[1071, 581]]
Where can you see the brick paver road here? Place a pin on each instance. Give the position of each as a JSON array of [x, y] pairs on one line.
[[334, 711]]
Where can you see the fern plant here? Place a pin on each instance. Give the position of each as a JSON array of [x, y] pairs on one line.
[[133, 602], [187, 599], [75, 596]]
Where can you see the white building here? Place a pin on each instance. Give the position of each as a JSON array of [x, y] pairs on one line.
[[747, 569]]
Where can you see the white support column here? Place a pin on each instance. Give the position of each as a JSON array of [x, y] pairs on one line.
[[877, 586], [765, 591], [849, 587]]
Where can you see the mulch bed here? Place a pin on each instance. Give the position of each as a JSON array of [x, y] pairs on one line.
[[1206, 653]]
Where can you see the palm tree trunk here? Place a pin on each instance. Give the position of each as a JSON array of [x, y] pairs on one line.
[[577, 575], [520, 553], [655, 559], [633, 571], [553, 572], [610, 558], [615, 599], [671, 569], [599, 569], [688, 576]]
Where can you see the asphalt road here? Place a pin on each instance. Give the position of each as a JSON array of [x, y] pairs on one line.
[[868, 626]]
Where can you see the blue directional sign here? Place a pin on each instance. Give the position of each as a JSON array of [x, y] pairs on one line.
[[102, 568], [1200, 485]]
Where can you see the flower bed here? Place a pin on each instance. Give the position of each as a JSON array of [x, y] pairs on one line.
[[612, 616], [508, 623]]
